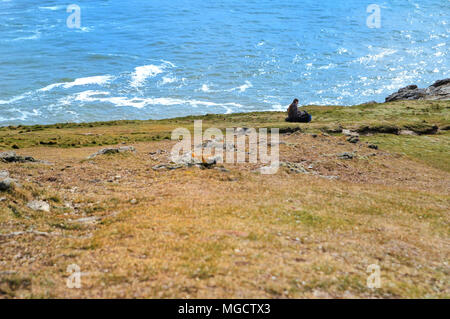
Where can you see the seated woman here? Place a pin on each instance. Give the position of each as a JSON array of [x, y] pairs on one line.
[[295, 116]]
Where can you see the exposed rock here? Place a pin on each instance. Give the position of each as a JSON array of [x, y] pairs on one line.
[[349, 132], [369, 103], [158, 152], [266, 170], [113, 150], [407, 132], [86, 220], [345, 155], [4, 174], [217, 144], [373, 146], [439, 90], [189, 159], [421, 128], [353, 139], [242, 130], [7, 184], [39, 205], [330, 177], [11, 157]]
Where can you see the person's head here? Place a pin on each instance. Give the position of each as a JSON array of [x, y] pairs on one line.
[[295, 101]]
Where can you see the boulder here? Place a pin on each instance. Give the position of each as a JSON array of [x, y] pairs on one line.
[[439, 90], [39, 205], [11, 157], [7, 184]]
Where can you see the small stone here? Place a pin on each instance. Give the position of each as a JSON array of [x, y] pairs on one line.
[[353, 139], [345, 155], [159, 167], [133, 201], [373, 146], [7, 184], [39, 205], [4, 174]]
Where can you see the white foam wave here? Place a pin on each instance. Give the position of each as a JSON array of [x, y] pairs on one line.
[[23, 115], [375, 57], [85, 29], [205, 88], [241, 88], [326, 67], [97, 80], [245, 86], [137, 102], [52, 8], [168, 80], [36, 35], [169, 63], [141, 73], [15, 98]]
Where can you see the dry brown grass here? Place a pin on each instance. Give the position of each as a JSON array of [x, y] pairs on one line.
[[207, 233]]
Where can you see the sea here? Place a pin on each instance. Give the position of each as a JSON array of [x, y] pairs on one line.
[[99, 60]]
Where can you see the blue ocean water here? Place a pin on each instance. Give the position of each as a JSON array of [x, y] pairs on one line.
[[159, 59]]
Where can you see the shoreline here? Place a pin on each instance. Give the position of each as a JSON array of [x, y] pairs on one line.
[[438, 91]]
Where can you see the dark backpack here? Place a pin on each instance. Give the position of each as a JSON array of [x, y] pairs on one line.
[[303, 116]]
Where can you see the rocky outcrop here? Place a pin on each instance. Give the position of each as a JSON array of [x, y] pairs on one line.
[[189, 159], [113, 150], [439, 90], [11, 157]]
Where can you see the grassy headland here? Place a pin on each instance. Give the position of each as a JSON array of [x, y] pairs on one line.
[[137, 232]]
